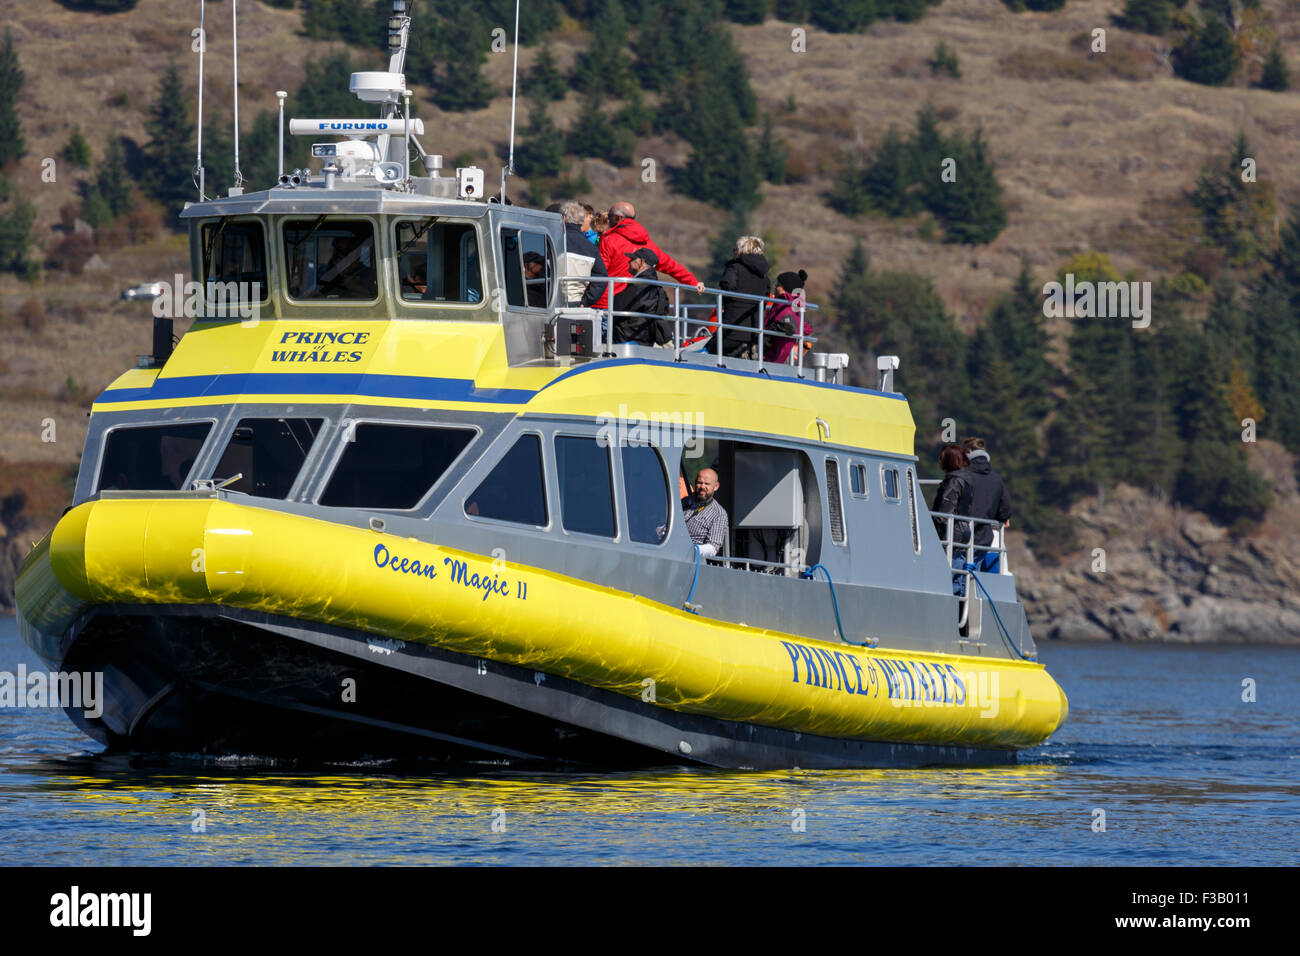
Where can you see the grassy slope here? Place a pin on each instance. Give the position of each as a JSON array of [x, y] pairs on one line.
[[1086, 164]]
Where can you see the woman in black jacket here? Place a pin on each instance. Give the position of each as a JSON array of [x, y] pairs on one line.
[[954, 496], [745, 272]]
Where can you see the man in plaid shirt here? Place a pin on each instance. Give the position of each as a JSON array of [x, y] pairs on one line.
[[706, 520]]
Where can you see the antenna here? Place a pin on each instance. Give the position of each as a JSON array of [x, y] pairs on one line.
[[514, 87], [238, 187], [198, 158]]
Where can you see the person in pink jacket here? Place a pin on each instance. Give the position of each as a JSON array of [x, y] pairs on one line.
[[784, 318]]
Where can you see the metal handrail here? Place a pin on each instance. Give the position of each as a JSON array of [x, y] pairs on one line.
[[998, 543], [801, 338], [730, 561]]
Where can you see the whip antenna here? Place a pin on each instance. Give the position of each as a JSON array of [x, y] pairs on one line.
[[514, 87], [198, 158], [234, 35]]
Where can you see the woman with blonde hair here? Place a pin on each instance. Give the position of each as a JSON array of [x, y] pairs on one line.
[[745, 272]]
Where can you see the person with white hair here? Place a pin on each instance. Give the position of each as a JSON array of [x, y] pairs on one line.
[[745, 272], [580, 257]]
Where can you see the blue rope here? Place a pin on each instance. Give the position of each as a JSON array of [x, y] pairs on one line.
[[834, 603], [695, 577], [1011, 644]]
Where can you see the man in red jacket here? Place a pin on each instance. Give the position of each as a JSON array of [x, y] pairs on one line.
[[628, 235]]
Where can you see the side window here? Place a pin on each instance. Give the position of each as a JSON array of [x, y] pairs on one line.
[[833, 502], [438, 261], [889, 483], [154, 458], [529, 264], [392, 466], [234, 262], [645, 489], [586, 485], [858, 479], [269, 453], [911, 510], [515, 490], [330, 259]]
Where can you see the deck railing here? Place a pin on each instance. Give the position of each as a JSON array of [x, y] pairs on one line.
[[682, 321]]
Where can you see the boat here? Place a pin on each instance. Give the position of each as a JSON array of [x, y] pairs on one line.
[[390, 495]]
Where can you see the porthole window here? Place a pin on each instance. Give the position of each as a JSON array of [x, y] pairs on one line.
[[889, 483]]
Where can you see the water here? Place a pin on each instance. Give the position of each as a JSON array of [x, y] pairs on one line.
[[1158, 738]]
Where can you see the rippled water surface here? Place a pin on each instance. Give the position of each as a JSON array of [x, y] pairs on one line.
[[1158, 738]]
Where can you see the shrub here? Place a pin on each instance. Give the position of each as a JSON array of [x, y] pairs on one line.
[[71, 253], [1208, 56], [945, 61], [1276, 75], [31, 315], [1147, 16]]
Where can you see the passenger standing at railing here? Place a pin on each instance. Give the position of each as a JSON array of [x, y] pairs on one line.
[[953, 497], [990, 500], [745, 272], [788, 318], [627, 235], [580, 256]]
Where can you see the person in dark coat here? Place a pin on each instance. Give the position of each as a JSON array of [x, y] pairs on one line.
[[638, 297], [745, 272], [989, 500], [954, 496]]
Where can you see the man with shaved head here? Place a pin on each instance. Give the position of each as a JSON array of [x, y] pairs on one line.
[[625, 236], [706, 520]]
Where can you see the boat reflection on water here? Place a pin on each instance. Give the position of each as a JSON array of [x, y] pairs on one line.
[[219, 813]]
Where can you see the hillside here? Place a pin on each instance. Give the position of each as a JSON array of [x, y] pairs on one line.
[[1094, 151]]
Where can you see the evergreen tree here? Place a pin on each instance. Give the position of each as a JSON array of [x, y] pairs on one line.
[[541, 154], [337, 20], [12, 144], [890, 178], [76, 152], [794, 11], [1148, 16], [771, 156], [1207, 56], [970, 209], [848, 194], [1236, 215], [16, 218], [745, 11], [896, 313], [945, 61], [544, 82], [108, 195], [1276, 75], [843, 16], [605, 66], [635, 117], [169, 174], [458, 82], [594, 135], [536, 17], [1273, 350]]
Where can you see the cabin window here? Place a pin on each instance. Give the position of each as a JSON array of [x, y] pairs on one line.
[[439, 262], [833, 502], [586, 485], [645, 489], [392, 466], [234, 252], [152, 458], [889, 484], [515, 489], [269, 453], [529, 265], [330, 259], [858, 479]]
